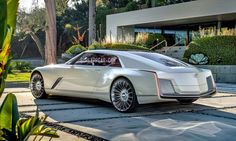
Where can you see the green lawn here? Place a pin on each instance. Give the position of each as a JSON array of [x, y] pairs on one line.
[[18, 77]]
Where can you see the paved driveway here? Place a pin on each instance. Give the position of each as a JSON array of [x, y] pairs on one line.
[[207, 119]]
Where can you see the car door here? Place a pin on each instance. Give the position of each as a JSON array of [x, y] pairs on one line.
[[108, 66], [81, 75]]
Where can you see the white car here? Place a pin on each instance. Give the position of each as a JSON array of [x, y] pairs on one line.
[[124, 78]]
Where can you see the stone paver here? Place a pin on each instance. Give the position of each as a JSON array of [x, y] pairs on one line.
[[207, 119], [63, 137]]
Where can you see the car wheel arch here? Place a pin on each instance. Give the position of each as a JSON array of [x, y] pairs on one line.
[[126, 78], [34, 72]]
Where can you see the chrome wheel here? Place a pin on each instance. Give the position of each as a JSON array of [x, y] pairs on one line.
[[37, 86], [123, 96]]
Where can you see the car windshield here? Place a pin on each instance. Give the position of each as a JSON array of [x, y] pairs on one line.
[[161, 59]]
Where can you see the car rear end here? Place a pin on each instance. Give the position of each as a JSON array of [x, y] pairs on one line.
[[179, 85]]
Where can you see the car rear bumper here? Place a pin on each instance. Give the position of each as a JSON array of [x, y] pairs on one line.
[[184, 96]]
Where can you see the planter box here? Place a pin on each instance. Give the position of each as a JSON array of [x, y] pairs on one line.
[[222, 73]]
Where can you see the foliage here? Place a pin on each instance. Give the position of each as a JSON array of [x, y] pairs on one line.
[[7, 27], [149, 3], [141, 38], [18, 77], [132, 5], [13, 128], [212, 31], [101, 19], [33, 21], [149, 39], [96, 45], [61, 6], [198, 59], [160, 2], [21, 66], [117, 46], [220, 50], [152, 40], [9, 114], [75, 49], [117, 3], [77, 15], [32, 24], [80, 37]]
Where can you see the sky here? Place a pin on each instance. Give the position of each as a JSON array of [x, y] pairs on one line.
[[27, 4]]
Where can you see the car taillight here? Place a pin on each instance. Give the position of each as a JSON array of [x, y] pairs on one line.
[[166, 87], [157, 83]]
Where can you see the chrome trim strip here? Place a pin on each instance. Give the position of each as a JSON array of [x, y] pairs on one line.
[[56, 82]]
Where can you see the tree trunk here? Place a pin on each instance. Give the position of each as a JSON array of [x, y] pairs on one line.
[[38, 44], [51, 32], [92, 24]]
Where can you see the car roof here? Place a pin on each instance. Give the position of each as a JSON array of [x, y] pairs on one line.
[[116, 52]]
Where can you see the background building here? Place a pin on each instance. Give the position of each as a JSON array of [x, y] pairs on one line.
[[176, 22]]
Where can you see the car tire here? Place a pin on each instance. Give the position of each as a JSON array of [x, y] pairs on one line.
[[37, 86], [123, 96], [186, 101]]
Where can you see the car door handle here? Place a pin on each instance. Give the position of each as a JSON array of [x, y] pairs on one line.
[[97, 70]]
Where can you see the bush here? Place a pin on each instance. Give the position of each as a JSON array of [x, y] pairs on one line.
[[96, 45], [118, 46], [221, 50], [152, 40], [141, 38], [122, 46], [75, 49], [21, 66], [149, 39]]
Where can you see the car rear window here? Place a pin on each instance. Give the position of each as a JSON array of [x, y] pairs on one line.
[[167, 61]]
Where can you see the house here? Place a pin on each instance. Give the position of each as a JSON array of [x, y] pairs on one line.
[[176, 22]]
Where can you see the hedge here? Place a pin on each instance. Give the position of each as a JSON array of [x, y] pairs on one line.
[[76, 49], [117, 46], [220, 50]]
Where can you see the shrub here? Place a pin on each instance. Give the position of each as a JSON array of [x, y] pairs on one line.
[[117, 46], [75, 49], [21, 66], [96, 45], [141, 38], [149, 39], [152, 40], [219, 49], [121, 46]]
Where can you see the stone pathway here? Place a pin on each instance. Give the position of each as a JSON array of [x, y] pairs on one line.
[[79, 119]]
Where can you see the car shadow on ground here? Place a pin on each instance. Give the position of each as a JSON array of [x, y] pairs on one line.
[[158, 121]]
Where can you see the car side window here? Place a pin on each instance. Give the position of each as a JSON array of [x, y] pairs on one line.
[[107, 60], [97, 59], [85, 59]]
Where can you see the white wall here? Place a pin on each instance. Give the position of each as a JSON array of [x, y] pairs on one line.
[[174, 14]]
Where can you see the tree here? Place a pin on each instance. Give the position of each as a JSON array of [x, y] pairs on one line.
[[30, 24], [92, 24], [61, 6], [51, 32], [76, 15]]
